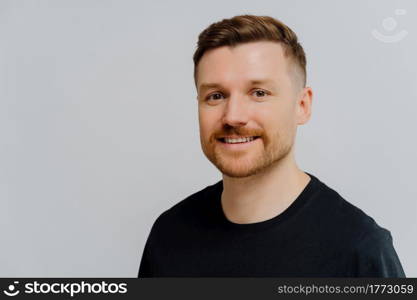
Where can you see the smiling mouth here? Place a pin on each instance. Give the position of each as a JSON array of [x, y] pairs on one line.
[[238, 140]]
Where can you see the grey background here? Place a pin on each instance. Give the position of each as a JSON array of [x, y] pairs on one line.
[[99, 125]]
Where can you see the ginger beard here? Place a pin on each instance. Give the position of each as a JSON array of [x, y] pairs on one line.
[[264, 153]]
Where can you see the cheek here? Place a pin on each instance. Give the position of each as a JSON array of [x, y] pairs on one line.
[[268, 119], [207, 122], [275, 120]]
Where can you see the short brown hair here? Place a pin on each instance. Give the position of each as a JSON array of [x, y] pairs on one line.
[[250, 28]]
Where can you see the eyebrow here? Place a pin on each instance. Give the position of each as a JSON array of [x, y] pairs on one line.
[[205, 86]]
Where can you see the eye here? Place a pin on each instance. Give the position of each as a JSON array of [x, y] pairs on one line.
[[214, 96], [260, 93]]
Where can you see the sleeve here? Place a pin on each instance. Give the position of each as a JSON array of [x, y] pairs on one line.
[[376, 256]]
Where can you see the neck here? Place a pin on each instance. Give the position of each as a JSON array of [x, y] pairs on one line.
[[264, 195]]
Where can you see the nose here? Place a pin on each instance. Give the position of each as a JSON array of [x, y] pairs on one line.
[[236, 111]]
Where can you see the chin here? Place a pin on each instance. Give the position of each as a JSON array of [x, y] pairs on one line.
[[241, 174], [236, 174], [237, 171]]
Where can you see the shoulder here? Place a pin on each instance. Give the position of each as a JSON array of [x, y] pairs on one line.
[[343, 222], [191, 209], [194, 202], [338, 210], [375, 256], [369, 245]]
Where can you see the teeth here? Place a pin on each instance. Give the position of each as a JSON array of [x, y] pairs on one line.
[[240, 140]]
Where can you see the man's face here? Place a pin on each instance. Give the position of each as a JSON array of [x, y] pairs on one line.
[[247, 91]]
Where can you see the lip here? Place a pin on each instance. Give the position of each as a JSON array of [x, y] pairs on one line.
[[238, 146]]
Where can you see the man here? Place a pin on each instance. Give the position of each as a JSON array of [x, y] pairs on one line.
[[266, 217]]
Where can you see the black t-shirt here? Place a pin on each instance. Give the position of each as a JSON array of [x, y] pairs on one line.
[[319, 235]]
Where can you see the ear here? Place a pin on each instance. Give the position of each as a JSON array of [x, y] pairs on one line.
[[304, 105]]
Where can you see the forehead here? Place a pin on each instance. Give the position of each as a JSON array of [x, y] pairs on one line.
[[243, 63]]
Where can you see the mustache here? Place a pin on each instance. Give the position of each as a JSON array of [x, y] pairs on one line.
[[238, 132]]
